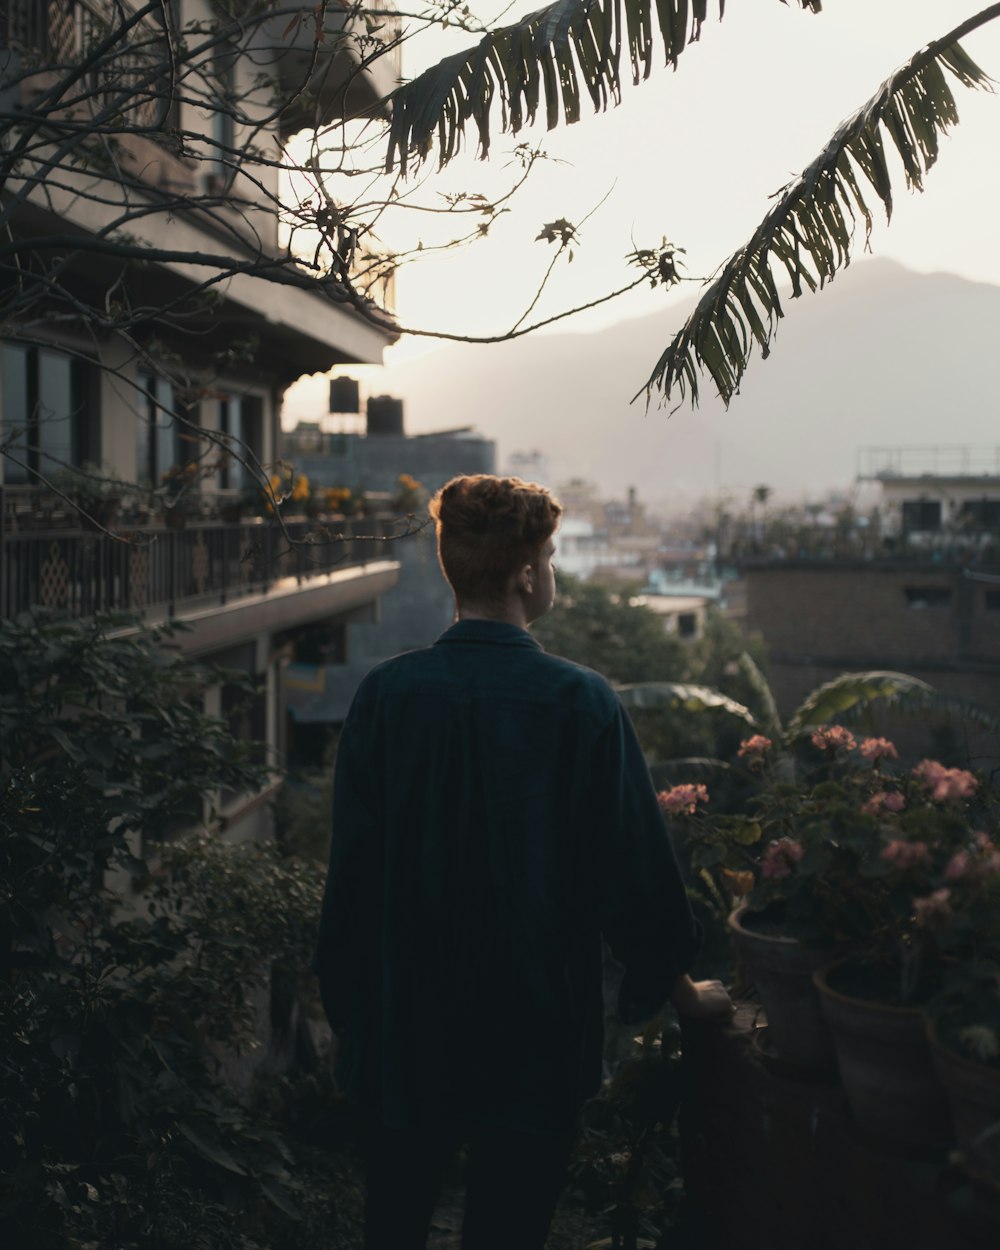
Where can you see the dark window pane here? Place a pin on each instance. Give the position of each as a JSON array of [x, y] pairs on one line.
[[56, 412], [927, 596], [921, 514], [16, 408]]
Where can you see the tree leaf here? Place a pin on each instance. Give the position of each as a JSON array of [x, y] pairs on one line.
[[214, 1152], [806, 232], [689, 698], [569, 47]]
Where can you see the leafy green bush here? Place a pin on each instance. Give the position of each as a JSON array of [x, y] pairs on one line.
[[125, 976]]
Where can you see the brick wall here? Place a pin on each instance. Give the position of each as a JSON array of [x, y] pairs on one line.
[[821, 620]]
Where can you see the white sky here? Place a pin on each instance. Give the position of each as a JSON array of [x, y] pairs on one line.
[[694, 156]]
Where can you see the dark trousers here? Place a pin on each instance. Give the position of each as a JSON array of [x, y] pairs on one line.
[[512, 1185]]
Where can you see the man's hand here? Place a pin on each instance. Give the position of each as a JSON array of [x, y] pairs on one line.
[[703, 1000]]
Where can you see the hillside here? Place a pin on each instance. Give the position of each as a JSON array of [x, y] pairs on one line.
[[883, 356]]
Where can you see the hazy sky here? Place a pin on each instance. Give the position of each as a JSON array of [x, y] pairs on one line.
[[694, 156]]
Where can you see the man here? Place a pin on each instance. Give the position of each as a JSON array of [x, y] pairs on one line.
[[493, 818]]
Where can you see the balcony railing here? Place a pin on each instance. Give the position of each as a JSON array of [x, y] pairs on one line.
[[159, 571], [949, 460]]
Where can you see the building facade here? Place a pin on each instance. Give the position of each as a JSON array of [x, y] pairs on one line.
[[923, 598], [132, 435]]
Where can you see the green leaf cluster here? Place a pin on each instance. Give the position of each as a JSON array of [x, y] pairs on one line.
[[129, 981], [546, 62]]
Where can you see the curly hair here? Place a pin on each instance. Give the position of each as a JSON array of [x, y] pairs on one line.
[[487, 528]]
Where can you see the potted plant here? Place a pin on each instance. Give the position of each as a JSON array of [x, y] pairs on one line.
[[796, 859], [180, 494], [410, 494], [909, 938], [94, 491], [789, 861], [964, 1019]]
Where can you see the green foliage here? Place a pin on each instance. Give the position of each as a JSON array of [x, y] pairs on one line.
[[899, 864], [547, 59], [116, 1005], [809, 231], [604, 630]]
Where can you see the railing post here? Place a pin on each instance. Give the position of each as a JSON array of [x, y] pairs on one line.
[[3, 558]]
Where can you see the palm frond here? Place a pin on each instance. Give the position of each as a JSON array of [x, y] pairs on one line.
[[690, 768], [682, 697], [850, 694], [771, 719], [547, 60], [809, 232]]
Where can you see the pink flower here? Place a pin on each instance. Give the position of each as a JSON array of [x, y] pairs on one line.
[[754, 749], [780, 857], [905, 854], [982, 840], [682, 800], [958, 866], [934, 907], [884, 801], [830, 737], [945, 783], [875, 749]]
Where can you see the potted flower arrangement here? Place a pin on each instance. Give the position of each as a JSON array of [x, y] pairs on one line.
[[787, 865], [842, 850], [964, 1018], [409, 495], [94, 491]]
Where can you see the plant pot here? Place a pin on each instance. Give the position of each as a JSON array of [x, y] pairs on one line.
[[885, 1065], [973, 1091], [175, 518], [98, 514], [781, 969]]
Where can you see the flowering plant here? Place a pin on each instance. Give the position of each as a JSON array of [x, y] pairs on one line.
[[409, 494], [849, 847]]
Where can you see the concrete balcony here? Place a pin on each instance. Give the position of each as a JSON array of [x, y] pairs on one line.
[[228, 581]]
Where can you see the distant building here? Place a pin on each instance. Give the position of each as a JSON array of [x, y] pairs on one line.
[[608, 540], [530, 466], [922, 597], [682, 616]]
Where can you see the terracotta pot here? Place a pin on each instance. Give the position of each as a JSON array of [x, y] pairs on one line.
[[973, 1091], [782, 970], [175, 518], [885, 1066]]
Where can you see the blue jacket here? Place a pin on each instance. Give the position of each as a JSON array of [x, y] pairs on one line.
[[493, 816]]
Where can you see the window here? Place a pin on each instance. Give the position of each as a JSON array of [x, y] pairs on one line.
[[223, 133], [919, 597], [161, 439], [980, 514], [241, 417], [687, 624], [921, 514], [46, 396]]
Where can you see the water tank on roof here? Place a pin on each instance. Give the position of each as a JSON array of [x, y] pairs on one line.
[[385, 415], [344, 395]]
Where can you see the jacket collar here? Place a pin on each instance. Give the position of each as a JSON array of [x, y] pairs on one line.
[[497, 632]]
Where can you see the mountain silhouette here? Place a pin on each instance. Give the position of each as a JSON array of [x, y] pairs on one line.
[[883, 356]]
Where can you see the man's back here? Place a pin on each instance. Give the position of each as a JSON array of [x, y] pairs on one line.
[[492, 816]]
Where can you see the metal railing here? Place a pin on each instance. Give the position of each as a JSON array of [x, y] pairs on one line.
[[157, 571], [954, 460]]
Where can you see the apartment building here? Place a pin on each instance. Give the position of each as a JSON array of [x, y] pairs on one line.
[[162, 382]]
